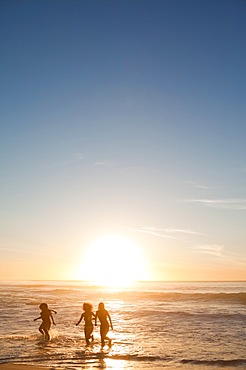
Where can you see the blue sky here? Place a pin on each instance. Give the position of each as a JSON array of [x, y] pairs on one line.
[[123, 117]]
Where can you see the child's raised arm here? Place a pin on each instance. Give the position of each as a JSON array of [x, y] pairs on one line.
[[37, 318]]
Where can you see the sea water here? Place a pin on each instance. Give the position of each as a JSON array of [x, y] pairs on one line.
[[156, 325]]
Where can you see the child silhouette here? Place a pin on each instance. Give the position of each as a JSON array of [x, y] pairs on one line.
[[88, 316], [103, 316], [46, 316]]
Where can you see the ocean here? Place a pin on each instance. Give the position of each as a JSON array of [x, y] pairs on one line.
[[156, 325]]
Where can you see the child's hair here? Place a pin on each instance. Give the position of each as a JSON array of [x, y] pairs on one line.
[[87, 306], [43, 306], [101, 306]]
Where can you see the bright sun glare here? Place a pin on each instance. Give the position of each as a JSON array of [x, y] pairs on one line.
[[113, 261]]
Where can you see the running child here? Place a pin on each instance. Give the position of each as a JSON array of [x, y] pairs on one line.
[[103, 316], [88, 315], [47, 318]]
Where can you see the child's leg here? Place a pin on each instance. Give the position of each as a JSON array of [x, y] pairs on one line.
[[104, 329], [90, 333], [41, 329], [102, 340], [102, 333], [47, 336], [109, 341], [87, 336], [87, 340]]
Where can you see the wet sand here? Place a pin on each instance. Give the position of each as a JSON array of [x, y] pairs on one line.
[[11, 366]]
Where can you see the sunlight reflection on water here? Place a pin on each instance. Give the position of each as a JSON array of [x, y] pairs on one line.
[[113, 364]]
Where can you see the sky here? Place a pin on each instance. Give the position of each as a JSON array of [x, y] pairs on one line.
[[123, 130]]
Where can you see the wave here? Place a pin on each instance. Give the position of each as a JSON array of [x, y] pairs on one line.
[[84, 357], [229, 316], [183, 314], [35, 303], [174, 296], [17, 337], [126, 357], [76, 359], [61, 291], [235, 297], [218, 362]]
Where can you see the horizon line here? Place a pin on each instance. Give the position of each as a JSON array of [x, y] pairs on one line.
[[137, 281]]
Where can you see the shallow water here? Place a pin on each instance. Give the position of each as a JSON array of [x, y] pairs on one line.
[[156, 325]]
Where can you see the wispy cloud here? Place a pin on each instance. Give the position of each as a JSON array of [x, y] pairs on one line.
[[156, 233], [171, 231], [24, 251], [167, 233], [213, 249], [121, 165], [197, 185], [104, 164], [229, 258], [231, 204], [75, 158]]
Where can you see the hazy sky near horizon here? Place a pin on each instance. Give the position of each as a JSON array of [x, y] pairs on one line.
[[123, 117]]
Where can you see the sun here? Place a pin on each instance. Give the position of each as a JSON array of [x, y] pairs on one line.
[[113, 261]]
